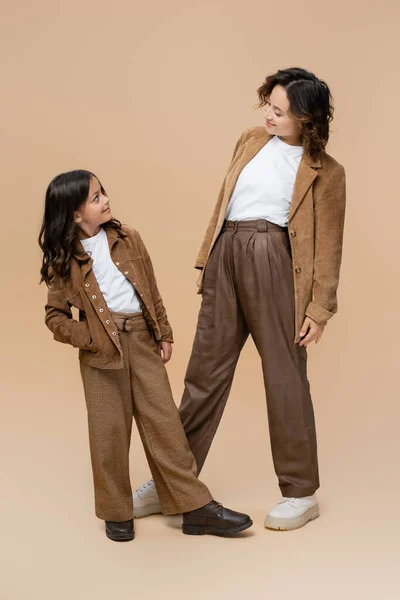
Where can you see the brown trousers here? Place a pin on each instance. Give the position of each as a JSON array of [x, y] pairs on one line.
[[248, 288], [140, 390]]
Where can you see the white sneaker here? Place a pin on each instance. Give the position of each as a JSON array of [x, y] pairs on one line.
[[292, 513], [146, 501]]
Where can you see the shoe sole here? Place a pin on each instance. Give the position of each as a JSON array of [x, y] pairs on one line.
[[290, 524], [205, 529], [124, 538], [146, 511]]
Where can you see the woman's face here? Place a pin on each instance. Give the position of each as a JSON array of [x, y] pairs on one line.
[[277, 120], [95, 210]]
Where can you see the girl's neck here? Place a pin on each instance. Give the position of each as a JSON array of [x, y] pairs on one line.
[[89, 230]]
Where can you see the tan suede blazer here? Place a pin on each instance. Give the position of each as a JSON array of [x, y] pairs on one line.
[[316, 222]]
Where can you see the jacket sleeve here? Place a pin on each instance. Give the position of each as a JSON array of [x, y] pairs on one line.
[[58, 318], [203, 252], [329, 212], [161, 313]]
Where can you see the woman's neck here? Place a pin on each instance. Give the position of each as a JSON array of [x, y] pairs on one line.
[[291, 140]]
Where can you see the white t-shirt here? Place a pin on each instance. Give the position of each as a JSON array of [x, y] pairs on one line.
[[265, 186], [118, 292]]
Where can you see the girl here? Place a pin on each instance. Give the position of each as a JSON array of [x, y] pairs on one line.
[[269, 266], [101, 268]]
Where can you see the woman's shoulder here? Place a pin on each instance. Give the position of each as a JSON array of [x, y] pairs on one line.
[[251, 134], [329, 163], [331, 174], [255, 132]]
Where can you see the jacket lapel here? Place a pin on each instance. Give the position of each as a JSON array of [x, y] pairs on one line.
[[306, 174], [250, 149]]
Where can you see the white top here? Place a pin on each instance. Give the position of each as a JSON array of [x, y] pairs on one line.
[[118, 292], [265, 186]]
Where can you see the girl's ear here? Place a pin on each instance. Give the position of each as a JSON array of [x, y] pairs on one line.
[[77, 217]]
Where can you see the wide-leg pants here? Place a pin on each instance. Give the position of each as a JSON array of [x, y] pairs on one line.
[[248, 288], [140, 390]]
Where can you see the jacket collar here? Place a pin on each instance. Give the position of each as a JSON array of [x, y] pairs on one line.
[[307, 172], [265, 137], [79, 251]]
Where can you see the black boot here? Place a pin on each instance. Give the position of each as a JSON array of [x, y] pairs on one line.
[[214, 518], [120, 531]]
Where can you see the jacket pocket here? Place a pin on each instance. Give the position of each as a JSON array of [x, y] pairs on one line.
[[81, 337]]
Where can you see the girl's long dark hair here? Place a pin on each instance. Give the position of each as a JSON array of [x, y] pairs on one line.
[[58, 234], [310, 102]]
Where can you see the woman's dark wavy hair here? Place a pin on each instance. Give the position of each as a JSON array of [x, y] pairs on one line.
[[58, 234], [310, 103]]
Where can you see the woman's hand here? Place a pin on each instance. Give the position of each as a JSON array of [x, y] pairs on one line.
[[165, 351], [313, 330]]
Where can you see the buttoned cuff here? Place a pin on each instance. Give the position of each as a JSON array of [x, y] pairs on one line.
[[318, 313], [167, 338], [165, 331], [166, 335]]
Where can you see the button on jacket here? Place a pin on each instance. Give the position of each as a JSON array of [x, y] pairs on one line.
[[95, 334], [316, 222]]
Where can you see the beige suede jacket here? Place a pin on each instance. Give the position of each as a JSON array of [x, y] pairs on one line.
[[316, 222]]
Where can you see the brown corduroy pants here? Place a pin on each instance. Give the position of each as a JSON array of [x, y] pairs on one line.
[[248, 289], [140, 390]]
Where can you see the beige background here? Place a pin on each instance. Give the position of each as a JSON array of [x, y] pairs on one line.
[[152, 97]]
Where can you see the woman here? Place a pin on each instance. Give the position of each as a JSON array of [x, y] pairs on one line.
[[270, 264]]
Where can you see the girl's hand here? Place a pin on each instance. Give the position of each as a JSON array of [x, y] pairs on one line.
[[313, 330], [165, 351]]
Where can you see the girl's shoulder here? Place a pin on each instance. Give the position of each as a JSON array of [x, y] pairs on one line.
[[126, 230], [131, 233], [132, 236]]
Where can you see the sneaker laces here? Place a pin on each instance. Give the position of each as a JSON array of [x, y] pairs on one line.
[[289, 500], [145, 485]]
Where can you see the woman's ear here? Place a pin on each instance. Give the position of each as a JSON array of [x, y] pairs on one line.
[[77, 217]]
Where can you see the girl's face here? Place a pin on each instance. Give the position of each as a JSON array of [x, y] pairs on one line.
[[278, 121], [94, 211]]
